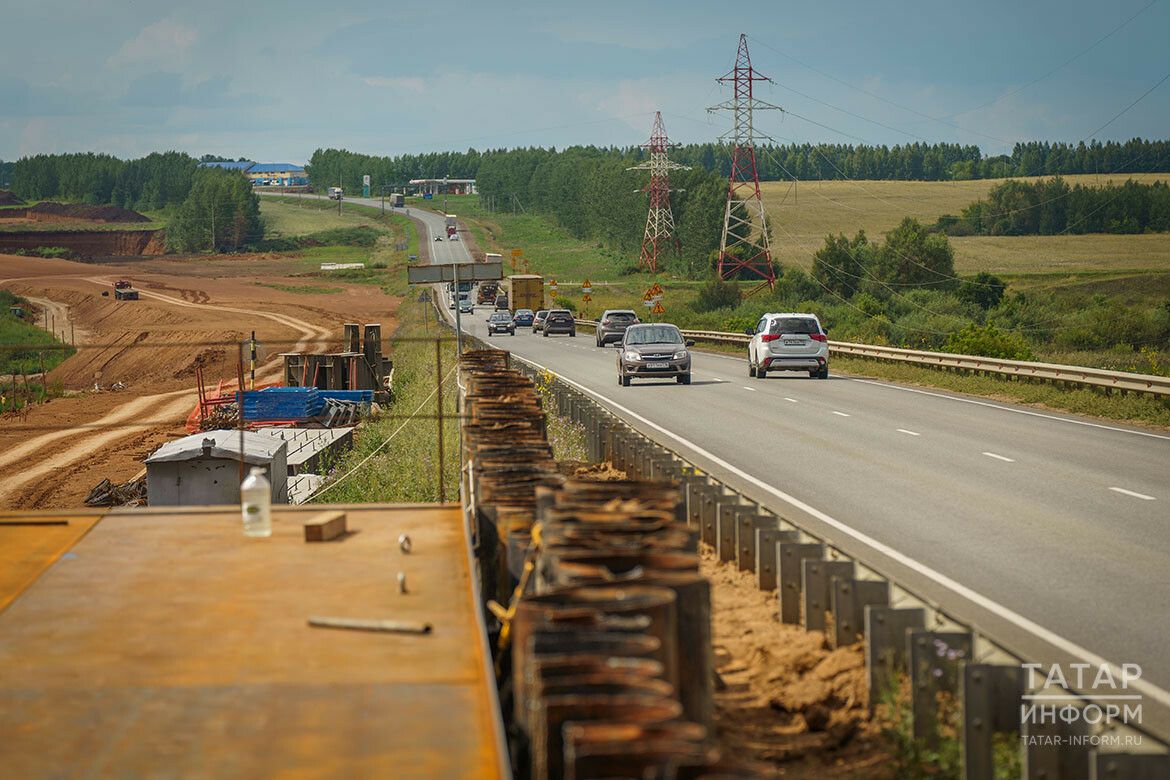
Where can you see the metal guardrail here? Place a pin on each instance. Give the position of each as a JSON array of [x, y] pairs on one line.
[[1125, 382]]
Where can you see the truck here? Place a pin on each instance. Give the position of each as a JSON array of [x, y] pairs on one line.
[[397, 199], [451, 228], [124, 291], [335, 193], [493, 257], [487, 293], [525, 291]]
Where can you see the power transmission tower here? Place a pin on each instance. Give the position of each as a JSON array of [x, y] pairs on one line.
[[660, 219], [745, 242]]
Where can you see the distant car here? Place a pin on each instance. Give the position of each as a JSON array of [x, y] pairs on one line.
[[788, 342], [453, 237], [654, 351], [538, 320], [502, 301], [612, 325], [501, 322], [523, 318], [466, 306], [438, 238], [559, 321]]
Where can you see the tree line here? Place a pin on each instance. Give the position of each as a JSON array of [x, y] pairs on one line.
[[1050, 206], [6, 173], [777, 162], [207, 208], [149, 183]]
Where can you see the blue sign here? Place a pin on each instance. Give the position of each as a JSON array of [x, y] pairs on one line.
[[428, 196]]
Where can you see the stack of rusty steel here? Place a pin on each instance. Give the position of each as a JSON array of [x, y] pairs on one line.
[[506, 445], [605, 648]]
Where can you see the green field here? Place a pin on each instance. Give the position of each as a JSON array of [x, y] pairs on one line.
[[290, 217], [803, 214]]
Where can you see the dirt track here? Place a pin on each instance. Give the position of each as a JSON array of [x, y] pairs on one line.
[[54, 453]]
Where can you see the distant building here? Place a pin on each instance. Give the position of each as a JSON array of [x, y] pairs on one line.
[[444, 186], [265, 174]]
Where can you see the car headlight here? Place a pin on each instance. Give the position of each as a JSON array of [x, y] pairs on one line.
[[632, 356], [682, 353]]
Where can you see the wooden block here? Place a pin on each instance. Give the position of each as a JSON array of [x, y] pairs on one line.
[[325, 526]]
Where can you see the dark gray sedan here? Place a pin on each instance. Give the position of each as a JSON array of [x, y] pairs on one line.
[[654, 351]]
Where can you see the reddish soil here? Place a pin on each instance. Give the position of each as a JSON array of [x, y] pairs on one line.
[[788, 704], [100, 243], [48, 211], [191, 313]]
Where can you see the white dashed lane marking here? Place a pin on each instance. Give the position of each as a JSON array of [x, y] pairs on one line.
[[791, 400], [1125, 492], [842, 414], [908, 433], [750, 389], [1000, 457]]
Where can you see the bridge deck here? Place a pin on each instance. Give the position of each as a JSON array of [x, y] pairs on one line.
[[165, 643]]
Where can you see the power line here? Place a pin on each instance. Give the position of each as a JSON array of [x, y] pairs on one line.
[[1123, 111]]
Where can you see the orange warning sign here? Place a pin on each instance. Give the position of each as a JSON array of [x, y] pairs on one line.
[[658, 309]]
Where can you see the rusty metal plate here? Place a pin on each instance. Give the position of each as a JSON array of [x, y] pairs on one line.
[[31, 542], [171, 645]]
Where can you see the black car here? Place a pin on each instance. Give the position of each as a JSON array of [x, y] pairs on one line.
[[560, 321], [501, 322]]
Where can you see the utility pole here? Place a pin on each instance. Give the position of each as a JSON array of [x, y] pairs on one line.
[[660, 219], [746, 233], [340, 193]]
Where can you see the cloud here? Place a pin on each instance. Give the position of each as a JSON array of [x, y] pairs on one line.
[[402, 83], [164, 40], [167, 90]]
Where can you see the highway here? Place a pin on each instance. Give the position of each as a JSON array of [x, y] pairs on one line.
[[1048, 531]]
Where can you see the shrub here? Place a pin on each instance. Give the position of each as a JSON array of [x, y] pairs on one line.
[[988, 341], [983, 289], [565, 303], [717, 294]]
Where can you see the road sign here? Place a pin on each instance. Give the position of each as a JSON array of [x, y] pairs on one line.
[[586, 287], [517, 252], [424, 297], [587, 297], [446, 272], [552, 286], [658, 309], [647, 297]]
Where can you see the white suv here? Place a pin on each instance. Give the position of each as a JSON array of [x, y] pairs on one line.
[[788, 342]]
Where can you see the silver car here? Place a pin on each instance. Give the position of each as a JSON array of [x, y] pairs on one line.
[[613, 324], [788, 342], [654, 351]]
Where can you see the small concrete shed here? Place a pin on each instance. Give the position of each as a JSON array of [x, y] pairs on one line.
[[204, 468]]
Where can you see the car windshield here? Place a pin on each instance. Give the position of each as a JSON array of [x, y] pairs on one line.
[[561, 315], [524, 313], [795, 325], [501, 316], [654, 334], [621, 316], [541, 314]]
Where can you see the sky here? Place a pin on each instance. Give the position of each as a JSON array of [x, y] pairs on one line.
[[273, 80]]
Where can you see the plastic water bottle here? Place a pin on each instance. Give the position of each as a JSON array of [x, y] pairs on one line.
[[256, 503]]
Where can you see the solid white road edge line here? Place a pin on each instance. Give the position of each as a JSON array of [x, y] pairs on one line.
[[1028, 412], [1125, 492], [1052, 638], [1000, 457]]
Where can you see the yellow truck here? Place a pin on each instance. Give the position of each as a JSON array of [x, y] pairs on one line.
[[525, 291]]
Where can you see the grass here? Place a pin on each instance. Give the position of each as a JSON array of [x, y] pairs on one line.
[[401, 447], [303, 289], [285, 217], [26, 349], [803, 215]]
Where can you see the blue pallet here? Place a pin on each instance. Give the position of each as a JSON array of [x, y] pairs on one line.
[[282, 403], [354, 396]]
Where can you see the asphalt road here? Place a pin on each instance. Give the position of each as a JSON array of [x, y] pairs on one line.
[[1049, 532]]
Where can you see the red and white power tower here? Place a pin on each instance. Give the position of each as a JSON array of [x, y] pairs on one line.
[[660, 219], [745, 244]]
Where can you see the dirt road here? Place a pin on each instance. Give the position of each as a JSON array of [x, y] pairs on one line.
[[51, 455]]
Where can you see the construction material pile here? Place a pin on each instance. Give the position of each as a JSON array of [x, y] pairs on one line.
[[604, 648], [106, 493], [302, 404]]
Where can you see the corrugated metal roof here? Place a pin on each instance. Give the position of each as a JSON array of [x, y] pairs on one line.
[[259, 447], [275, 168], [229, 165]]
